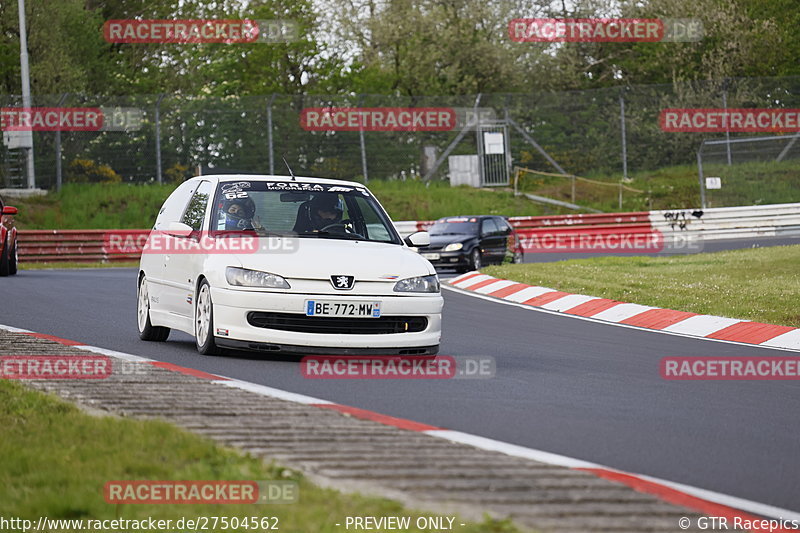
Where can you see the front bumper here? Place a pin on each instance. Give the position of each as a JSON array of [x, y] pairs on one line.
[[232, 306], [446, 259]]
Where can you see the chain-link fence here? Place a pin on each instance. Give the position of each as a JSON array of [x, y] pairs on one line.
[[603, 134], [749, 170]]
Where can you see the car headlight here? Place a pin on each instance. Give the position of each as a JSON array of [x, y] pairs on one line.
[[419, 284], [243, 277], [453, 247]]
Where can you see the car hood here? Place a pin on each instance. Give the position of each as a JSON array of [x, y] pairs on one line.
[[321, 258], [440, 241]]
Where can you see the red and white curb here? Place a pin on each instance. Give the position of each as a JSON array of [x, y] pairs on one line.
[[632, 315], [704, 501]]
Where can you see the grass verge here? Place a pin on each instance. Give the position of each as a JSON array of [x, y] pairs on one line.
[[126, 206], [56, 460], [759, 284], [677, 187]]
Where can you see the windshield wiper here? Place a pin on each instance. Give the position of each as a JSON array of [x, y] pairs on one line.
[[349, 236]]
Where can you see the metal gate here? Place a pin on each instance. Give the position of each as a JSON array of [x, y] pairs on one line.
[[493, 153]]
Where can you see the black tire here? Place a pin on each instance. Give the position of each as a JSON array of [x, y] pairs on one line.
[[4, 259], [147, 331], [475, 259], [12, 260], [206, 344]]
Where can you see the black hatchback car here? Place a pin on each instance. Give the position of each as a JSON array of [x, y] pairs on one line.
[[467, 242]]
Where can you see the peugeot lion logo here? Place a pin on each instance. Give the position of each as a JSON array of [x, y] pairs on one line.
[[343, 283]]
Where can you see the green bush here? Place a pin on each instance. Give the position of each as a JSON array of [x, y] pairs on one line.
[[88, 171]]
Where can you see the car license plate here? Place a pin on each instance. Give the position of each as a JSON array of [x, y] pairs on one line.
[[343, 308], [431, 256]]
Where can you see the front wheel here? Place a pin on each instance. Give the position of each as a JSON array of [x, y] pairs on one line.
[[4, 259], [475, 259], [204, 321], [12, 260], [147, 331]]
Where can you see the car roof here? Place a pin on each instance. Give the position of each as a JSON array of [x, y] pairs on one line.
[[269, 177], [470, 216]]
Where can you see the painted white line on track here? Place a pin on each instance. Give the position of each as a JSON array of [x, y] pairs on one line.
[[263, 390], [113, 353]]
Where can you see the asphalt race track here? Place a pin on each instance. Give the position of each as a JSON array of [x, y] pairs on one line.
[[563, 385]]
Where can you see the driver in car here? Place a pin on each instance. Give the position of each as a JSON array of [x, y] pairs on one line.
[[320, 212]]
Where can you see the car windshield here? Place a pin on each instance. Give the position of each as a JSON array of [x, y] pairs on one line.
[[455, 226], [300, 209]]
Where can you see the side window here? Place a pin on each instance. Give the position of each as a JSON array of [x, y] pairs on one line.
[[488, 227], [196, 210], [368, 222], [503, 226], [173, 208]]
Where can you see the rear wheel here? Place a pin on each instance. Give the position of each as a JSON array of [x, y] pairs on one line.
[[12, 260], [204, 321], [147, 331]]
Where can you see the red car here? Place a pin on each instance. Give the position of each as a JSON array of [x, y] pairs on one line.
[[8, 240]]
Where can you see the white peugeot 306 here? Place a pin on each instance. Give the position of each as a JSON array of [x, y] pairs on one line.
[[283, 264]]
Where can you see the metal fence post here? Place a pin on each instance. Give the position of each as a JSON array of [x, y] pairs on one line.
[[363, 147], [702, 180], [58, 147], [269, 134], [624, 137], [158, 137], [727, 124]]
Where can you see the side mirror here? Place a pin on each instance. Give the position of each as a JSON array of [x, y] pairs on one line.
[[420, 238], [8, 210], [178, 229]]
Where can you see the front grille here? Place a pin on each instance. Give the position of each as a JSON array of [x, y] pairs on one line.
[[334, 325]]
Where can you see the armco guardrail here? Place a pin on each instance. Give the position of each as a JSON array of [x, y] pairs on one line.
[[708, 224], [44, 246], [720, 223]]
